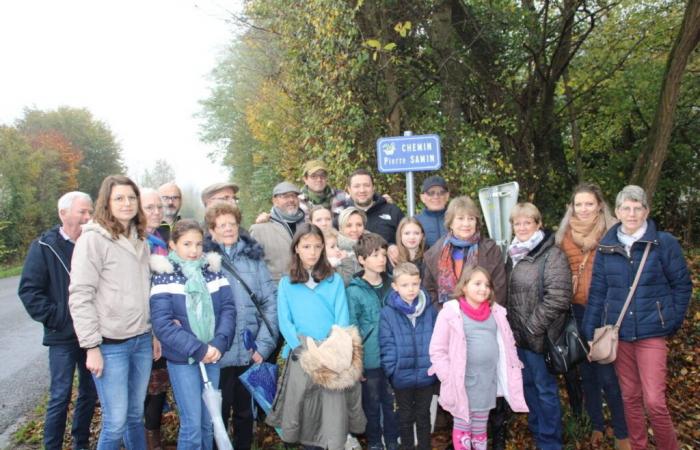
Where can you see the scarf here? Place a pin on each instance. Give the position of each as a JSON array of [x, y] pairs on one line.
[[286, 219], [454, 256], [323, 199], [586, 235], [200, 308], [479, 314], [517, 249], [628, 239], [412, 311]]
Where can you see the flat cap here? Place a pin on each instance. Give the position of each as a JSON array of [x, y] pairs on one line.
[[284, 187], [216, 187]]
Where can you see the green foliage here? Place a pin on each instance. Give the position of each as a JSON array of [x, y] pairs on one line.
[[162, 172]]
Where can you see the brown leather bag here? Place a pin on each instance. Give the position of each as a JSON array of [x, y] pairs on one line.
[[603, 347]]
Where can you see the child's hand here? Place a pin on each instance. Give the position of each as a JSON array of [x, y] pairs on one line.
[[213, 355]]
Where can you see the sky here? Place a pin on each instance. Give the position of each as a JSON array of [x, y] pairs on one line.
[[139, 66]]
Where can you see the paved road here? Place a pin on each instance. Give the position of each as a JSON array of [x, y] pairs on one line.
[[24, 364]]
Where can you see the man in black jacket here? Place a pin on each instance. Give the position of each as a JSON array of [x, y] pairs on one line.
[[43, 288]]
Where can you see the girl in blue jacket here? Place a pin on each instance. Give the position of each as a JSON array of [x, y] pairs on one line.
[[193, 316], [405, 327]]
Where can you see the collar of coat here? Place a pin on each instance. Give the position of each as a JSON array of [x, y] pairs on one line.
[[161, 264]]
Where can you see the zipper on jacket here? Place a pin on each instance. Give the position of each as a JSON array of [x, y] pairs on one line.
[[661, 316]]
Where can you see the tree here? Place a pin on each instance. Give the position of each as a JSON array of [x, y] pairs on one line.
[[101, 154], [161, 173]]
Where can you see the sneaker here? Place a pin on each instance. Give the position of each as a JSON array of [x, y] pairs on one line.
[[351, 443]]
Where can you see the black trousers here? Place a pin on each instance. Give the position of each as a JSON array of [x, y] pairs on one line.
[[237, 398], [414, 407]]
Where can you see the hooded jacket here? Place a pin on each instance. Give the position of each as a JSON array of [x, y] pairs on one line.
[[404, 347], [109, 287], [448, 354], [530, 313], [661, 300], [169, 304], [247, 261], [382, 218], [364, 306], [490, 258], [43, 286]]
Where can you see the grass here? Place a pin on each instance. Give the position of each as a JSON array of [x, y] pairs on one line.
[[10, 271]]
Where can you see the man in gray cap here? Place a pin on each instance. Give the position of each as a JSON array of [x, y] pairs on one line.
[[276, 235], [220, 192]]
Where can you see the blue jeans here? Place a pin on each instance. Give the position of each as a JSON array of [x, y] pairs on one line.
[[542, 398], [378, 404], [122, 391], [63, 359], [196, 429], [597, 378]]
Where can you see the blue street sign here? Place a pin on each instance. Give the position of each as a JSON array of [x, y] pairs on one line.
[[408, 153]]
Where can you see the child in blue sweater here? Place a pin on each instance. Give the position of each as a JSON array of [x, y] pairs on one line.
[[193, 317], [406, 326]]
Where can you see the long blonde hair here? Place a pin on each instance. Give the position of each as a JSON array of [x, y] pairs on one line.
[[404, 253], [604, 213]]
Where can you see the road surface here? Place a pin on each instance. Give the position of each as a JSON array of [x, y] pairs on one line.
[[24, 373]]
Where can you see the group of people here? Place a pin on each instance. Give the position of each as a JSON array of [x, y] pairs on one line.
[[371, 312]]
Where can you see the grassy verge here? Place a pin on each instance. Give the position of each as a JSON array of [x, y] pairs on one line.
[[10, 271]]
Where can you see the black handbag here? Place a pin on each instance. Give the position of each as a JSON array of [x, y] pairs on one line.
[[569, 348]]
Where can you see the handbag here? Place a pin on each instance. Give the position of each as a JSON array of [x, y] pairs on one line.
[[605, 339], [568, 349]]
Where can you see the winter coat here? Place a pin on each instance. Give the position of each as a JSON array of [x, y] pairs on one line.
[[168, 304], [382, 218], [309, 408], [364, 306], [537, 305], [404, 347], [660, 302], [109, 288], [490, 258], [43, 286], [276, 240], [337, 202], [247, 261], [448, 355], [310, 312], [433, 223]]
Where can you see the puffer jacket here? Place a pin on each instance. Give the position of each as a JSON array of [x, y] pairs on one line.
[[109, 287], [247, 261], [382, 218], [433, 223], [529, 313], [490, 258], [661, 300], [404, 347], [364, 307], [169, 304]]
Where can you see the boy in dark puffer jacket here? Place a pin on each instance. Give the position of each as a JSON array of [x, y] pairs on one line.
[[406, 325]]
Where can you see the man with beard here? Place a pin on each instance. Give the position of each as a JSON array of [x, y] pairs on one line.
[[171, 196], [276, 235]]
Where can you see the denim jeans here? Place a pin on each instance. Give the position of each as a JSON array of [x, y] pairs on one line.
[[196, 429], [122, 391], [595, 380], [63, 360], [378, 404], [542, 398]]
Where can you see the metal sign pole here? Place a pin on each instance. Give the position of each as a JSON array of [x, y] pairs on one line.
[[410, 198]]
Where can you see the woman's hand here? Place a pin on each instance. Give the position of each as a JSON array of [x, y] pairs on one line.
[[94, 361], [257, 358], [157, 351], [213, 355]]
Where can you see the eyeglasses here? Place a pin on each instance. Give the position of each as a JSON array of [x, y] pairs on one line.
[[226, 225], [151, 208], [438, 193], [125, 198], [318, 176], [170, 198], [628, 209]]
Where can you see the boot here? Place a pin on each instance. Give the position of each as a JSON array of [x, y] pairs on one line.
[[623, 444], [498, 424], [153, 440]]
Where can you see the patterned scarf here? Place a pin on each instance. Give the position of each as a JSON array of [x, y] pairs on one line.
[[479, 314], [200, 308], [323, 199], [518, 249], [454, 256]]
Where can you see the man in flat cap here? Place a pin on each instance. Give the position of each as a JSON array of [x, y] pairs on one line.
[[276, 234], [220, 192]]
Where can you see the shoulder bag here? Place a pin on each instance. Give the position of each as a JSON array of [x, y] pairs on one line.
[[605, 339]]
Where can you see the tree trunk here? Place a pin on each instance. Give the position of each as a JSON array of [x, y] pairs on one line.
[[648, 166]]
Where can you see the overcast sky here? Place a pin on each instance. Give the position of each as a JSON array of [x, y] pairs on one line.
[[140, 66]]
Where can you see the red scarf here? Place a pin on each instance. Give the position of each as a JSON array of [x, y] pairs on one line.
[[479, 314]]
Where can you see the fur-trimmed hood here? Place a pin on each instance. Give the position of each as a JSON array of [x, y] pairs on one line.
[[336, 362], [161, 264], [251, 248]]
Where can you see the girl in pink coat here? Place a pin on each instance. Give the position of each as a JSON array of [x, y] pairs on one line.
[[473, 324]]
